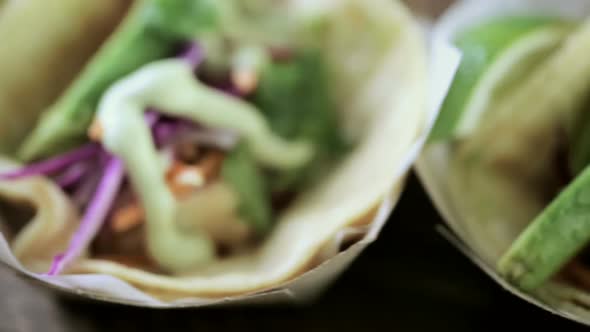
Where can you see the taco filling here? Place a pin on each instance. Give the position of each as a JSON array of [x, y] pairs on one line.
[[183, 138]]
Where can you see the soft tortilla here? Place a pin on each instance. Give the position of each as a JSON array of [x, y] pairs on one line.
[[38, 37], [378, 56]]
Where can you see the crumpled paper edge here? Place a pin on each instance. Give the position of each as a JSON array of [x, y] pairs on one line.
[[430, 166], [301, 289], [448, 234]]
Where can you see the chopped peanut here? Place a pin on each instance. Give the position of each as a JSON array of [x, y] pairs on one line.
[[127, 218], [246, 81], [183, 179], [95, 131], [190, 177]]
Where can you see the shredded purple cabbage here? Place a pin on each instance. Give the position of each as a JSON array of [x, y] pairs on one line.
[[73, 174], [79, 171], [94, 217], [231, 90], [171, 132], [151, 117], [84, 190], [222, 139], [194, 55], [54, 164]]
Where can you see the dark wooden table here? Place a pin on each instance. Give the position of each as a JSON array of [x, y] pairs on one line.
[[411, 279]]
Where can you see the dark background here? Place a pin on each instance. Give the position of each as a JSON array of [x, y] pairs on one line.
[[410, 279]]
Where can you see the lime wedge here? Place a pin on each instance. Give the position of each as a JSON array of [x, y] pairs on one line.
[[496, 55]]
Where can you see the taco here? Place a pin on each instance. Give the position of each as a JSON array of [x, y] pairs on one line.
[[214, 148], [513, 140]]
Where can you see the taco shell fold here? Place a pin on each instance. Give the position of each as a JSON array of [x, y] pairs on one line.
[[377, 57]]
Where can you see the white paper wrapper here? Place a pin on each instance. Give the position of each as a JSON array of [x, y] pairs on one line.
[[433, 166], [309, 284]]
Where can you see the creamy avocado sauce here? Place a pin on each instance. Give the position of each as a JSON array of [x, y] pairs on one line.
[[171, 87]]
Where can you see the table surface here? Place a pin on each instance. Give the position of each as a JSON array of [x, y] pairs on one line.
[[410, 279]]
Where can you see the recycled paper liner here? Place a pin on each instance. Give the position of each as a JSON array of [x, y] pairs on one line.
[[484, 243], [394, 112]]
